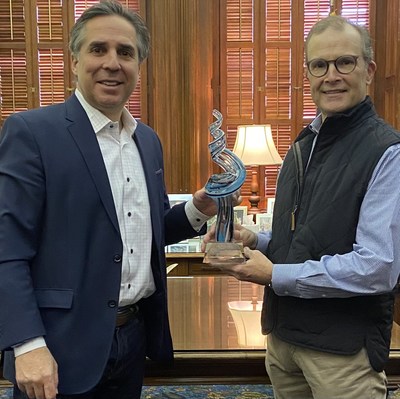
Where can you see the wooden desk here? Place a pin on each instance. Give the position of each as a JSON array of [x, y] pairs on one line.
[[204, 335], [190, 264]]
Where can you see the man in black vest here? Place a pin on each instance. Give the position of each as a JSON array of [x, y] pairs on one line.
[[332, 260]]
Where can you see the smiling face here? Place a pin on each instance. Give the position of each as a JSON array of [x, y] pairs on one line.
[[336, 92], [107, 67]]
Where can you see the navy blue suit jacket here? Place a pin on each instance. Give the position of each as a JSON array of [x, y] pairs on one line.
[[60, 245]]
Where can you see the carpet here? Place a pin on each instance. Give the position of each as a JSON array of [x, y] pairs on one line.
[[203, 392], [194, 392], [208, 392]]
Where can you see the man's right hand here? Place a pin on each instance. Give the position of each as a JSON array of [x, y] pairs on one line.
[[240, 233], [36, 374]]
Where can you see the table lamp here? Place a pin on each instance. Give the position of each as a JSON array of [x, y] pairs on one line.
[[254, 146]]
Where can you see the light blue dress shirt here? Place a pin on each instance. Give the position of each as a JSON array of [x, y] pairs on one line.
[[373, 266]]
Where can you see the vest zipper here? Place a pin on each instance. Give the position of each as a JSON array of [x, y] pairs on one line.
[[299, 180]]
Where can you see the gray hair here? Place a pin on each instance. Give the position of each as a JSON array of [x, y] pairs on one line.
[[110, 8], [339, 23]]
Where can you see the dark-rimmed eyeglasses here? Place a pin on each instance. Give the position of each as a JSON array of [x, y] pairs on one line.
[[345, 64]]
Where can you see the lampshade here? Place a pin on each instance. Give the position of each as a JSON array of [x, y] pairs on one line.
[[254, 145]]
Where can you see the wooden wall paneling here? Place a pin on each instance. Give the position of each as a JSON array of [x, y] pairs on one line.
[[200, 43], [165, 82], [31, 44], [391, 98], [68, 16], [298, 69], [179, 82], [372, 31], [385, 33]]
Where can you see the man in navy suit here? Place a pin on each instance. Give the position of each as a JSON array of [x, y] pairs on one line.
[[84, 219]]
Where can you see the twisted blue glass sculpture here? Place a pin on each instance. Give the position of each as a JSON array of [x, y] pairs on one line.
[[222, 186]]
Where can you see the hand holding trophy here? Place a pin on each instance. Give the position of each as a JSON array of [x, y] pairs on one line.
[[222, 187]]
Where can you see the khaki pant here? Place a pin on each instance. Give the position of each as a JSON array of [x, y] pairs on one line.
[[299, 373]]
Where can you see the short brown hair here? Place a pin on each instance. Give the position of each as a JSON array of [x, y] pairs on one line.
[[109, 8], [339, 23]]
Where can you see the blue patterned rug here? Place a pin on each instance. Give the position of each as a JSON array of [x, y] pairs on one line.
[[194, 392], [203, 392], [208, 392]]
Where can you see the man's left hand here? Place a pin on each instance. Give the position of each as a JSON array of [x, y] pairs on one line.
[[257, 269]]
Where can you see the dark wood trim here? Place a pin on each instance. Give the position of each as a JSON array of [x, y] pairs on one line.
[[204, 367], [230, 367]]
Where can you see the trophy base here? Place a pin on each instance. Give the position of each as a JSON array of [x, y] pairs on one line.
[[224, 253]]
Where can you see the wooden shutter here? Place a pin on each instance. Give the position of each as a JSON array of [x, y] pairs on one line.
[[237, 68], [34, 56], [276, 104], [357, 11], [50, 52], [262, 62], [256, 61], [13, 58]]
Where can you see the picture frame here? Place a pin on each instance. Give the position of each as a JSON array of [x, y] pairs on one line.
[[270, 205], [240, 213], [185, 246], [264, 221], [178, 248], [194, 244]]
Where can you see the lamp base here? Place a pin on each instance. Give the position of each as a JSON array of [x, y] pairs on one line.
[[254, 209], [254, 198]]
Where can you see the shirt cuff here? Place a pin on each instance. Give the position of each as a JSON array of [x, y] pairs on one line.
[[195, 217], [29, 346], [284, 278], [263, 239]]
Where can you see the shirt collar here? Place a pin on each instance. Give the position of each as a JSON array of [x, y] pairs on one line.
[[316, 124], [98, 120]]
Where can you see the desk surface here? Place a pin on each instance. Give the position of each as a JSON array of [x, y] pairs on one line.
[[199, 314]]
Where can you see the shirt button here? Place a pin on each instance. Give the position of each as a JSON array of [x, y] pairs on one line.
[[128, 179], [131, 251], [198, 220], [129, 214], [117, 258], [112, 304]]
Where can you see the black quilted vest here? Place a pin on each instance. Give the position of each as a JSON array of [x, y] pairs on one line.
[[315, 214]]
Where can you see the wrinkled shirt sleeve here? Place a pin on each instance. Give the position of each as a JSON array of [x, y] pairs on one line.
[[373, 266]]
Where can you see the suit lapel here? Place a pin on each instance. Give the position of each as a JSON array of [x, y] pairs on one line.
[[85, 138]]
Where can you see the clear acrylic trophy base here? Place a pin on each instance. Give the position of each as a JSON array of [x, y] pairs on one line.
[[224, 253]]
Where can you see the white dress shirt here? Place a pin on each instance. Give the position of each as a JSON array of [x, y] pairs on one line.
[[128, 185]]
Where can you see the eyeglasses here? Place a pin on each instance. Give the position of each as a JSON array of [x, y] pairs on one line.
[[345, 64]]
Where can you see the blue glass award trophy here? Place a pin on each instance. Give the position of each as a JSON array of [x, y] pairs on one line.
[[221, 187]]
